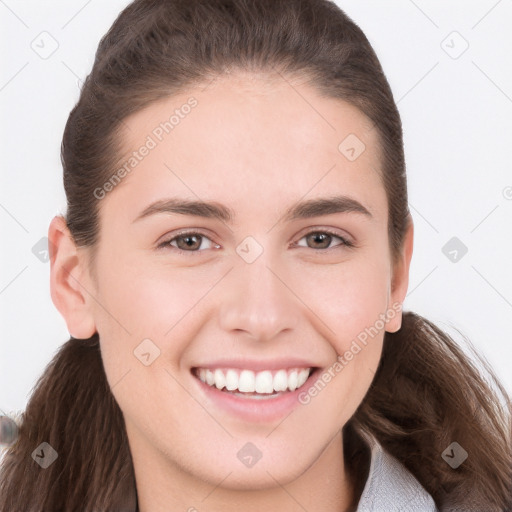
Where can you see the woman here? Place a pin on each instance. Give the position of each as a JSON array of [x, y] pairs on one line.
[[232, 268]]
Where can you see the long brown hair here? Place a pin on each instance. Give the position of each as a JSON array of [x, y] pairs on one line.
[[426, 393]]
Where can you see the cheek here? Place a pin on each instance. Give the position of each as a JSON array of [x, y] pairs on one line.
[[140, 301], [350, 298], [149, 297]]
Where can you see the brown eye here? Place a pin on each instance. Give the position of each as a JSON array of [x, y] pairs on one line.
[[191, 242], [323, 239], [185, 242], [320, 240]]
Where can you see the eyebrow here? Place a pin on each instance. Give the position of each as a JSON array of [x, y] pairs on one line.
[[214, 210]]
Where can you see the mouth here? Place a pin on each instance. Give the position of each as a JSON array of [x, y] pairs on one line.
[[255, 396], [248, 383]]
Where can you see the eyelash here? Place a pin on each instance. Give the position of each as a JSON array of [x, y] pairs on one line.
[[166, 243]]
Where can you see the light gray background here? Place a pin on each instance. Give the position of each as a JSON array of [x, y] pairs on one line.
[[456, 111]]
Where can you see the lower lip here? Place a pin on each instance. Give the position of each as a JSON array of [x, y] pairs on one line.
[[256, 410]]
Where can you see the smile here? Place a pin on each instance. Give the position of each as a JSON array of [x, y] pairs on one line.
[[248, 382], [254, 391]]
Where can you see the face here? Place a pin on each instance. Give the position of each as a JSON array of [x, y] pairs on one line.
[[286, 291]]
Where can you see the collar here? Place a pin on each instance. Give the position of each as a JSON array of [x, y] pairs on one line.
[[390, 485]]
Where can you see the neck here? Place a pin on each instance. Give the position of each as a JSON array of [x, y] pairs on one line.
[[326, 486]]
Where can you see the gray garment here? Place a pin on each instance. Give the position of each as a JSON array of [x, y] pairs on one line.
[[390, 486]]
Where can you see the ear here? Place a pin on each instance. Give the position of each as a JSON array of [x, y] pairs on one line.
[[68, 285], [400, 280]]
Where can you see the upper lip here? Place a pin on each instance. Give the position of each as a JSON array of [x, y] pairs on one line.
[[257, 365]]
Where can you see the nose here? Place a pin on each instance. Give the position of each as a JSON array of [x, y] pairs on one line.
[[259, 301]]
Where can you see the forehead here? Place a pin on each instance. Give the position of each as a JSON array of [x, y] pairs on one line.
[[247, 135]]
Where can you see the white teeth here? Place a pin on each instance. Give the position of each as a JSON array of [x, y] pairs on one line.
[[292, 381], [231, 380], [264, 382], [281, 380], [209, 378], [302, 377], [220, 379], [247, 381]]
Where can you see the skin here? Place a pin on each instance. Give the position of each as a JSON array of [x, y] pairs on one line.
[[258, 146]]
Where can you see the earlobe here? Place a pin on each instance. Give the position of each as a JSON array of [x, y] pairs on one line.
[[67, 273], [400, 281]]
